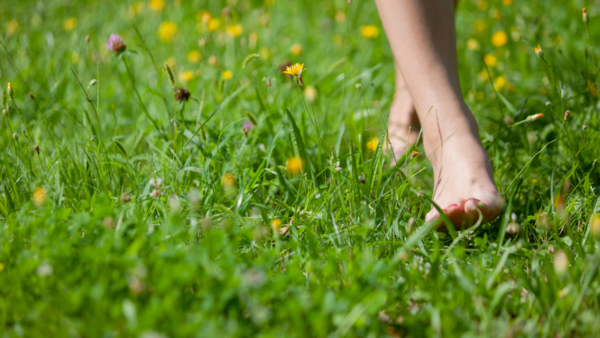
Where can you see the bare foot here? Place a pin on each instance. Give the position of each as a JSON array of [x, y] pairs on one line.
[[464, 183], [403, 124]]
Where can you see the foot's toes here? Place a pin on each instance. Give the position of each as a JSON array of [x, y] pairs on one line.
[[433, 214], [488, 209], [455, 211]]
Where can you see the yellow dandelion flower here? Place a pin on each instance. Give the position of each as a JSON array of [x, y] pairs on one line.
[[39, 196], [507, 2], [235, 30], [372, 145], [296, 49], [499, 38], [194, 56], [311, 93], [226, 75], [252, 39], [340, 17], [185, 76], [12, 27], [167, 31], [1, 267], [203, 16], [213, 24], [482, 5], [295, 69], [275, 224], [228, 180], [171, 61], [500, 82], [269, 2], [69, 24], [369, 31], [490, 60], [157, 5], [294, 165], [472, 44]]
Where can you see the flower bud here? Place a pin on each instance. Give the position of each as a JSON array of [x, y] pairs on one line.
[[534, 117], [5, 112], [92, 83], [561, 262], [16, 137], [9, 90], [567, 114], [585, 16], [539, 51]]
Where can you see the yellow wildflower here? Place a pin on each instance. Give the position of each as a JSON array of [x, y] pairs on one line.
[[203, 16], [340, 17], [252, 39], [12, 27], [539, 51], [167, 31], [171, 62], [369, 31], [311, 93], [136, 8], [226, 75], [472, 44], [294, 165], [500, 82], [194, 56], [39, 196], [228, 181], [235, 30], [507, 2], [372, 145], [1, 267], [482, 5], [296, 49], [213, 61], [295, 69], [69, 24], [157, 5], [185, 76], [490, 60], [499, 39], [595, 225], [275, 224], [213, 24]]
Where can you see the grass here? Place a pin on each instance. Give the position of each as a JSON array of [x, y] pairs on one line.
[[299, 226]]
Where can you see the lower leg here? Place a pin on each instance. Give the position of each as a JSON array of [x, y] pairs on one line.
[[403, 124], [422, 37]]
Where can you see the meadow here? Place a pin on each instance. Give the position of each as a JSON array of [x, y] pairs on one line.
[[176, 183]]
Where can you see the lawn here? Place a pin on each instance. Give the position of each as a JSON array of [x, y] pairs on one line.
[[178, 184]]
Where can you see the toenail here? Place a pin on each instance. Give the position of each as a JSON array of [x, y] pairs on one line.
[[452, 205]]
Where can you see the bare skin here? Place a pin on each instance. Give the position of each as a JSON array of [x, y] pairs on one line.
[[423, 39]]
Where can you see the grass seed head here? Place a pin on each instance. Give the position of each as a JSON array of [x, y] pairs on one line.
[[567, 114], [167, 69]]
